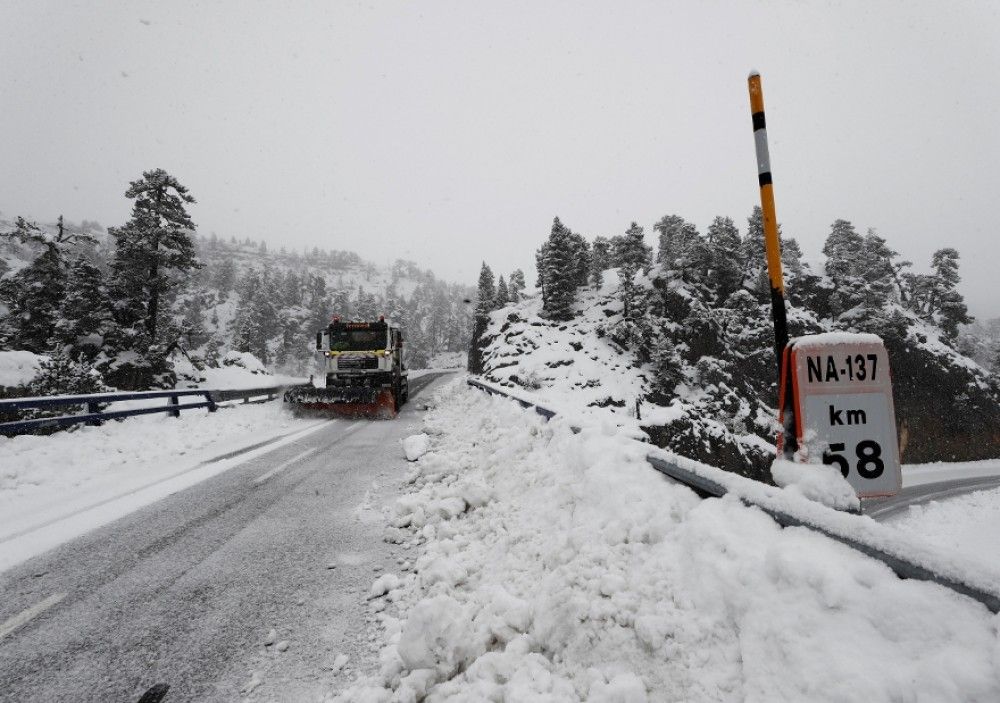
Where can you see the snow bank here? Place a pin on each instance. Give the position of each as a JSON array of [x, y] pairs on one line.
[[18, 368], [560, 567], [44, 479], [967, 524]]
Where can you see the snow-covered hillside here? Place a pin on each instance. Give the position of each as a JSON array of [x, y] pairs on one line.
[[699, 380]]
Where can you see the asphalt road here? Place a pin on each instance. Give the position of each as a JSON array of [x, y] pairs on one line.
[[185, 591], [882, 509]]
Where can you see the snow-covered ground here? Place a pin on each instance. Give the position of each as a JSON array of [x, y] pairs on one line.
[[552, 566], [966, 524], [922, 474], [53, 488]]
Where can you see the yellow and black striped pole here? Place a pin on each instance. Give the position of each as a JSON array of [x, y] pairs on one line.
[[772, 245]]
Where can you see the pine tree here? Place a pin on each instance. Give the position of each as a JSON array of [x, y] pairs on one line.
[[632, 255], [844, 249], [60, 374], [682, 250], [559, 272], [516, 285], [224, 277], [366, 305], [33, 295], [85, 322], [485, 296], [725, 245], [154, 257], [502, 297], [154, 249], [944, 302]]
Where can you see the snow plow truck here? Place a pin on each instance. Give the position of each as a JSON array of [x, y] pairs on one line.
[[365, 375]]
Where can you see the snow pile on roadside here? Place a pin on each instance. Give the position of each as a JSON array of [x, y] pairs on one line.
[[44, 478], [18, 368], [818, 482], [966, 524], [560, 567]]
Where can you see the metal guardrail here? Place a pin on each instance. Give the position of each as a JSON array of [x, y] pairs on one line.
[[706, 487], [94, 415], [544, 412]]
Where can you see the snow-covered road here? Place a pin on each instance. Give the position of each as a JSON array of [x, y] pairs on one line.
[[187, 591]]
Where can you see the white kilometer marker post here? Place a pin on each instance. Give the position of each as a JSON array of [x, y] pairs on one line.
[[838, 389], [29, 614]]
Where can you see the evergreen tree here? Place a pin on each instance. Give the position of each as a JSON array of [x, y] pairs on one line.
[[844, 249], [559, 272], [85, 322], [727, 265], [516, 285], [33, 295], [154, 250], [682, 252], [632, 255], [944, 303], [485, 296], [60, 374], [224, 277], [366, 305], [502, 297]]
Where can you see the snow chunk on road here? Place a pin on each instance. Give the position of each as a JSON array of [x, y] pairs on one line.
[[818, 482], [416, 446], [383, 584], [437, 635]]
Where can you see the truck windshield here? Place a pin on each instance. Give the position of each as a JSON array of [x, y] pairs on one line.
[[357, 340]]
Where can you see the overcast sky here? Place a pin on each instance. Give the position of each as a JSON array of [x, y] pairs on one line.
[[451, 132]]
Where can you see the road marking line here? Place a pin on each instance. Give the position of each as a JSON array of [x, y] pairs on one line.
[[32, 612], [281, 467]]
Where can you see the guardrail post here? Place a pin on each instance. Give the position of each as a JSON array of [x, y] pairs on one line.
[[174, 401], [212, 407], [93, 408]]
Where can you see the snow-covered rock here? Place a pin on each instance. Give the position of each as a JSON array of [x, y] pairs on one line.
[[18, 368]]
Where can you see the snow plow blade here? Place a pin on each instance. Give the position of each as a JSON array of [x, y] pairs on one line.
[[372, 403]]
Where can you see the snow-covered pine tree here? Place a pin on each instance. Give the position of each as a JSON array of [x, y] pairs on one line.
[[844, 249], [944, 303], [60, 374], [682, 250], [224, 277], [85, 322], [516, 285], [33, 295], [600, 260], [559, 272], [365, 305], [582, 258], [154, 256], [154, 250], [485, 296], [502, 297], [725, 245], [632, 255]]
